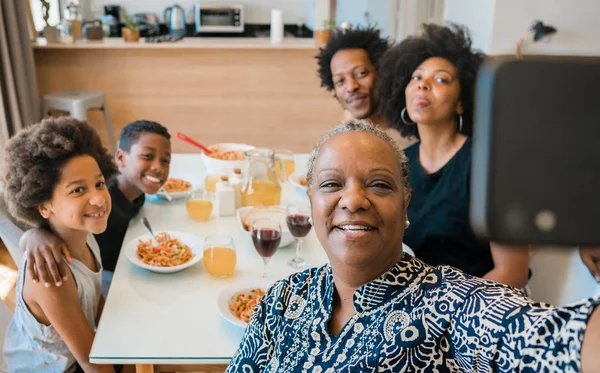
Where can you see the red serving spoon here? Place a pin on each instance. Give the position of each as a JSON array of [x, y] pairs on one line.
[[183, 137]]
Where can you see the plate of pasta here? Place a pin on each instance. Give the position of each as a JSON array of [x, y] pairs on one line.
[[176, 251], [237, 302], [177, 188]]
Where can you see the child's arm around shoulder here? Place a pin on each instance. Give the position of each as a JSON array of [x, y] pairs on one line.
[[44, 252], [61, 308]]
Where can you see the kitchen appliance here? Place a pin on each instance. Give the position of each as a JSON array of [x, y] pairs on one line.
[[219, 18], [175, 20], [112, 19], [113, 10]]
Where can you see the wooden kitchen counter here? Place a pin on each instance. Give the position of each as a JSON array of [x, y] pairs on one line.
[[185, 43], [212, 89]]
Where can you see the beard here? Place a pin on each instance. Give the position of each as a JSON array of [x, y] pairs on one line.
[[366, 115]]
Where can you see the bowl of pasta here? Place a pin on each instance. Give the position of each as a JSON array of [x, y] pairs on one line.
[[177, 188], [226, 156], [236, 303], [175, 251]]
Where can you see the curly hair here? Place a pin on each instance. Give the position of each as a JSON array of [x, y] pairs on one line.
[[397, 66], [368, 39], [34, 160], [132, 132]]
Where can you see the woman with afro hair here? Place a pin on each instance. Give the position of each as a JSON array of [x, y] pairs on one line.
[[426, 91]]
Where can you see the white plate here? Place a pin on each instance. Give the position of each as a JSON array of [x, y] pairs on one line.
[[239, 286], [179, 195], [195, 243], [286, 235]]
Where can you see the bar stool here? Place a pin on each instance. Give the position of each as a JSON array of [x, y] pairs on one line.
[[77, 102]]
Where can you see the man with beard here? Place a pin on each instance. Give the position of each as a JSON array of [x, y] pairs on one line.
[[348, 67]]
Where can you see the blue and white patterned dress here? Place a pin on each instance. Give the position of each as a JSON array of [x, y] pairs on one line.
[[412, 318]]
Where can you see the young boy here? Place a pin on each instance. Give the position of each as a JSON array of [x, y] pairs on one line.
[[54, 178], [143, 158]]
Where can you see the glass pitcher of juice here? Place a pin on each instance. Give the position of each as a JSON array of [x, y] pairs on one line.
[[261, 184], [287, 156]]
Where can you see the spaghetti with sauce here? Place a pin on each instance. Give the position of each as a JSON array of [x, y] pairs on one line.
[[173, 185], [170, 252], [242, 304]]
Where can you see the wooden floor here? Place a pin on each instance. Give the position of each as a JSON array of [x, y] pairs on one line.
[[8, 279]]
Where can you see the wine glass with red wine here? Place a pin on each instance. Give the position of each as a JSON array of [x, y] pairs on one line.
[[298, 222], [266, 236]]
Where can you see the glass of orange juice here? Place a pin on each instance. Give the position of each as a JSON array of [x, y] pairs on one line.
[[199, 205], [287, 157], [219, 256]]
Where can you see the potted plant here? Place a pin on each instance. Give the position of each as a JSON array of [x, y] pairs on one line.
[[322, 36], [50, 32], [131, 31]]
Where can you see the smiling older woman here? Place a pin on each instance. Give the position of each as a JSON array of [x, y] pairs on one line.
[[374, 309]]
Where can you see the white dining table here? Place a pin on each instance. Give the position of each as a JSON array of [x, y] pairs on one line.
[[156, 320]]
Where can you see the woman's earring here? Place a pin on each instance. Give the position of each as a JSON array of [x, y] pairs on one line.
[[403, 117], [406, 224], [310, 221], [460, 123]]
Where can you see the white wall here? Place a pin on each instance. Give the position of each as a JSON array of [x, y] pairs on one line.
[[383, 13], [351, 11], [496, 26], [576, 22], [477, 15], [256, 11], [559, 277], [317, 11]]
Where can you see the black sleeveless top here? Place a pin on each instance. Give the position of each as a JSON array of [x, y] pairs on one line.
[[438, 212]]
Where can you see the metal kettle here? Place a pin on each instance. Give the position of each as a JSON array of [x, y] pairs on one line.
[[175, 20]]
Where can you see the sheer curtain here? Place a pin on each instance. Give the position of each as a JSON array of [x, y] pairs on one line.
[[19, 98], [413, 13]]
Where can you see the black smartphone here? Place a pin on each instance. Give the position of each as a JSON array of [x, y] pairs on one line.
[[535, 176]]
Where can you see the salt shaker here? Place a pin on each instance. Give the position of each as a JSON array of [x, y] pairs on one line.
[[225, 197]]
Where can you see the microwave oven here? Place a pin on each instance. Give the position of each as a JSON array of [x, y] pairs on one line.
[[219, 18]]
